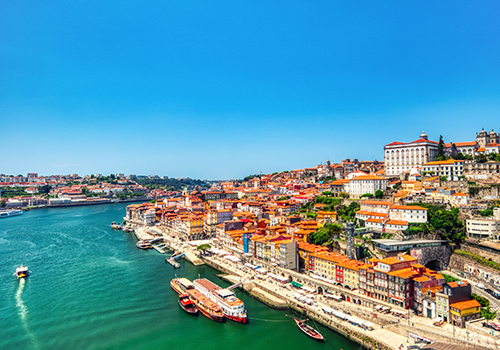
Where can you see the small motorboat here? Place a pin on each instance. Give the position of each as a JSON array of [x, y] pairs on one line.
[[144, 245], [187, 304], [22, 272], [310, 331], [116, 226]]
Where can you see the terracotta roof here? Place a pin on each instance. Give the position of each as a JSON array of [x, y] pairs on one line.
[[376, 202], [468, 304], [397, 222], [422, 140], [367, 177], [395, 143], [408, 207], [462, 144]]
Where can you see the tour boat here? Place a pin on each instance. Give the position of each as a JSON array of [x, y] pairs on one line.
[[22, 272], [9, 213], [116, 226], [187, 304], [232, 307], [144, 245], [206, 306], [181, 285], [304, 327], [202, 303]]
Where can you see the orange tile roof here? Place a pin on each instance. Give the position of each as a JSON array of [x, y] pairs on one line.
[[397, 222], [367, 177], [364, 212], [422, 279], [377, 203], [468, 304], [407, 207]]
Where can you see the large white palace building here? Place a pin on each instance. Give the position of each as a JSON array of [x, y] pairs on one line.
[[400, 157]]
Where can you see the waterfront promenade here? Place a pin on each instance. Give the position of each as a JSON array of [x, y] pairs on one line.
[[389, 331]]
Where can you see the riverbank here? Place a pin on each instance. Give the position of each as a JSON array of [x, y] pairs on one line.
[[389, 332]]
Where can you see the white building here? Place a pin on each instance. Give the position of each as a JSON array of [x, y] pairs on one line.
[[400, 157], [458, 199], [408, 213], [366, 184], [483, 228], [451, 168]]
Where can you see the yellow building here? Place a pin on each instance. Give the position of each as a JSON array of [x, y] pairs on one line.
[[325, 217], [411, 186], [464, 311]]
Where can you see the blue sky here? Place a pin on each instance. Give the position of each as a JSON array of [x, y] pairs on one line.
[[221, 90]]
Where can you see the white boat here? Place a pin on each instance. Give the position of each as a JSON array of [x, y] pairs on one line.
[[9, 213], [22, 272], [233, 308]]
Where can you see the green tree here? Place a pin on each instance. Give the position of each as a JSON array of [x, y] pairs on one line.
[[440, 151], [486, 212], [448, 278], [379, 194], [484, 302], [45, 189], [488, 314], [203, 248], [2, 203], [325, 234], [481, 158]]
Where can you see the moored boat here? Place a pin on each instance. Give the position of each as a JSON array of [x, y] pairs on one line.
[[144, 245], [232, 307], [206, 306], [310, 331], [22, 272], [181, 285], [202, 303], [187, 304]]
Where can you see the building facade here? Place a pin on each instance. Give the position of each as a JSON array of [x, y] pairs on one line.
[[400, 157]]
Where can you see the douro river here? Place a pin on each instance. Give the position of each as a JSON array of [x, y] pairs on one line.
[[91, 288]]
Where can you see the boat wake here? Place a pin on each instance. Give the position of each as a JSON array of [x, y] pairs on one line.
[[19, 301], [23, 311]]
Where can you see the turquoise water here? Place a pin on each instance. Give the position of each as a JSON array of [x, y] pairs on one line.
[[91, 288]]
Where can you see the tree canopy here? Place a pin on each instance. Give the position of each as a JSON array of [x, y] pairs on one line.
[[325, 234], [445, 222]]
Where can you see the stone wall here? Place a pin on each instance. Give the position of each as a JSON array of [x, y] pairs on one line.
[[486, 252], [440, 253]]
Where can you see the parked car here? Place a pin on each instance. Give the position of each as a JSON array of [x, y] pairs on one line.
[[480, 285], [489, 291]]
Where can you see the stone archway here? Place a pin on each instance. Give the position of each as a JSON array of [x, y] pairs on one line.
[[435, 264]]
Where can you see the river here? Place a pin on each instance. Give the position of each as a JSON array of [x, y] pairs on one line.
[[91, 288]]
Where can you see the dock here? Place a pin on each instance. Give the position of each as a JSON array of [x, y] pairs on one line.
[[172, 262], [160, 248]]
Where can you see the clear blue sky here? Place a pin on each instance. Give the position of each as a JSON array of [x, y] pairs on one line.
[[218, 90]]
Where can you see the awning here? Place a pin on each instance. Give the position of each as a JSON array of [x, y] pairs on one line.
[[327, 309], [295, 284], [232, 258], [308, 289], [368, 324], [250, 266]]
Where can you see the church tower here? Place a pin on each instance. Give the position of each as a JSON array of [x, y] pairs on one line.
[[482, 138]]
